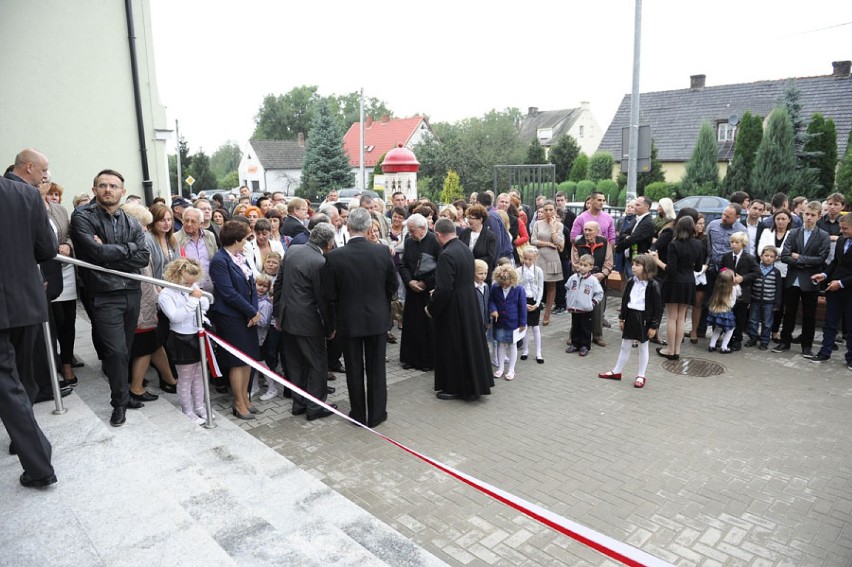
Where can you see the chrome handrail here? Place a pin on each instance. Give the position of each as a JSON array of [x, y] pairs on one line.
[[199, 317]]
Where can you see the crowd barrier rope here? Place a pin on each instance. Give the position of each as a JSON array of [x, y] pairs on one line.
[[604, 544]]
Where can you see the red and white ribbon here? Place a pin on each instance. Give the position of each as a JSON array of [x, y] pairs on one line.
[[610, 547]]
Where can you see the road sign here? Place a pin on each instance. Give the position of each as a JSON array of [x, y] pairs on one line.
[[643, 157], [190, 180]]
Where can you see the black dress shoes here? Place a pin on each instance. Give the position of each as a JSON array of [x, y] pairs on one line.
[[77, 363], [331, 389], [447, 396], [407, 367], [337, 368], [144, 396], [30, 482], [133, 403], [379, 421], [169, 388], [48, 397], [321, 413], [118, 418], [298, 411], [66, 383]]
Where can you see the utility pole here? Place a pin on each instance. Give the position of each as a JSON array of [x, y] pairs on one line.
[[632, 159], [363, 172], [179, 187]]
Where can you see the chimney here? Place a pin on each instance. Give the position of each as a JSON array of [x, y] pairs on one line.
[[584, 104], [301, 139], [369, 122], [696, 82], [533, 110], [841, 68], [385, 118]]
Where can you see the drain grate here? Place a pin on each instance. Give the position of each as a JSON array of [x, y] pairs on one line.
[[694, 367]]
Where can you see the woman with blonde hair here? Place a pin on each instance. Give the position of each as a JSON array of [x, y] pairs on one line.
[[665, 214]]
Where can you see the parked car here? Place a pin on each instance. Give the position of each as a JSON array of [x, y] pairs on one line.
[[711, 206], [355, 192]]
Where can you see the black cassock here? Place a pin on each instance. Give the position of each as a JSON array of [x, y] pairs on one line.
[[417, 348], [462, 365]]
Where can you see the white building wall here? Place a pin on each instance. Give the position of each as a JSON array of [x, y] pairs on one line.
[[67, 91], [587, 131]]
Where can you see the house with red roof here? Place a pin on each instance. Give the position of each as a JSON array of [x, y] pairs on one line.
[[381, 136]]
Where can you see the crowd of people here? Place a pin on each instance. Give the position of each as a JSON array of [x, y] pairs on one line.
[[310, 292]]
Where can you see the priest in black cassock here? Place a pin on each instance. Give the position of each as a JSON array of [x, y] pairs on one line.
[[417, 270], [462, 367]]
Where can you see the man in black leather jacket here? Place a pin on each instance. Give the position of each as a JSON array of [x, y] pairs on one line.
[[104, 235]]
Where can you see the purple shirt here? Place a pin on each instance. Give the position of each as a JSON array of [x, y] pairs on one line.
[[607, 226], [197, 250]]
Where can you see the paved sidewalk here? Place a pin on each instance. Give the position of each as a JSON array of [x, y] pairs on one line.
[[751, 467]]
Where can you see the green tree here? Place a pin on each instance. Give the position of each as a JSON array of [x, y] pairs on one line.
[[231, 180], [535, 153], [749, 134], [775, 162], [452, 188], [702, 170], [579, 168], [348, 108], [326, 164], [226, 159], [843, 182], [806, 179], [654, 175], [471, 148], [283, 117], [185, 161], [562, 155], [822, 151], [600, 166], [199, 168]]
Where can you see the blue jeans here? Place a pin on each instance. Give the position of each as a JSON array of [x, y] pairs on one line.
[[760, 314]]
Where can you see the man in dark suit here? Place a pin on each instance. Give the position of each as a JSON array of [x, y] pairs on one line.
[[305, 319], [638, 235], [33, 366], [838, 293], [25, 238], [746, 268], [805, 252], [297, 212], [359, 281]]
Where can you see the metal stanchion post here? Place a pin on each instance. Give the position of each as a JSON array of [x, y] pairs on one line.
[[205, 375], [54, 377]]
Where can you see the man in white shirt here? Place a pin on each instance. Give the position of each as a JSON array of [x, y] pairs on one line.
[[755, 214]]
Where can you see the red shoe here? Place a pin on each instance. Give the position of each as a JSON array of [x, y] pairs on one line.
[[610, 375], [639, 382]]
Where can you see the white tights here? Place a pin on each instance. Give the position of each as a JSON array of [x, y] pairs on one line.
[[537, 336], [726, 338], [501, 356], [624, 356], [190, 390]]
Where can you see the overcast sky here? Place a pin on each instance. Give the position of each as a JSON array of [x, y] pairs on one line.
[[217, 59]]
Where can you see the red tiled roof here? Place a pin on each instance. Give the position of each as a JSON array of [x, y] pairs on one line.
[[383, 136]]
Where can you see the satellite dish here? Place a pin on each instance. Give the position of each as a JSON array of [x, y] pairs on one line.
[[734, 120]]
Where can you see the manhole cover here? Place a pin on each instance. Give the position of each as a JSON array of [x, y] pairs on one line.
[[694, 367]]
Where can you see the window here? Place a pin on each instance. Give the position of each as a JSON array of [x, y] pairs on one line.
[[725, 132], [581, 130], [545, 133]]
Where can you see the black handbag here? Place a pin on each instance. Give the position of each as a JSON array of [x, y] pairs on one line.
[[426, 265]]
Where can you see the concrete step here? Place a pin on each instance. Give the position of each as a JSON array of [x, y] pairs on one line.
[[163, 489]]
